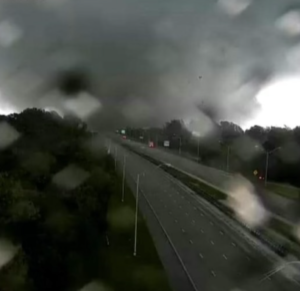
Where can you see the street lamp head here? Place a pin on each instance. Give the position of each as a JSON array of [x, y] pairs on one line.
[[196, 133], [276, 149]]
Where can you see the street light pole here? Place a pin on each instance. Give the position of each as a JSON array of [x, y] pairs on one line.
[[267, 166], [123, 181], [227, 162], [198, 150], [227, 154], [179, 145], [109, 148], [136, 213], [116, 152]]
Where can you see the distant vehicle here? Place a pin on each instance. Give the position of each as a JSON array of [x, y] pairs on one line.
[[151, 144]]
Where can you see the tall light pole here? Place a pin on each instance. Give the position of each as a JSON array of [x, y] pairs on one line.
[[198, 150], [116, 152], [267, 163], [227, 160], [123, 181], [179, 145], [109, 148], [227, 154], [136, 213]]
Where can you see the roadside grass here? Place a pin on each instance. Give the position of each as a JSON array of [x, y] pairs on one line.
[[284, 190], [122, 270]]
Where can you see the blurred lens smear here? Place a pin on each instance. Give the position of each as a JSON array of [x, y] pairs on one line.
[[143, 63], [147, 62]]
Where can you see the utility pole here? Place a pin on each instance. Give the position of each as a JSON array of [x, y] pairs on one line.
[[136, 213], [123, 182]]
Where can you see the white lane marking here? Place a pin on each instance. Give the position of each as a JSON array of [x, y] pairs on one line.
[[213, 273], [233, 244], [191, 242], [221, 233], [183, 230], [211, 223], [178, 256], [212, 242], [200, 255], [224, 256], [201, 230]]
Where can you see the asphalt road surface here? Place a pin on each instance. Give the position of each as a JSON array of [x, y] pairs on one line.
[[281, 206], [199, 246]]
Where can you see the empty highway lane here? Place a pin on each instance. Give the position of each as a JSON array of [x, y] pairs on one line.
[[199, 248]]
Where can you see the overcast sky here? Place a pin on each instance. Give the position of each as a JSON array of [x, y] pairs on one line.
[[148, 60]]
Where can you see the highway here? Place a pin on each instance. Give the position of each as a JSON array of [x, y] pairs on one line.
[[280, 206], [200, 248]]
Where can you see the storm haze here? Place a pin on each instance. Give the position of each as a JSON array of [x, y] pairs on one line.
[[145, 62]]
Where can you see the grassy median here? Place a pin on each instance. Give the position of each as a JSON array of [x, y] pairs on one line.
[[196, 185], [122, 270], [284, 190]]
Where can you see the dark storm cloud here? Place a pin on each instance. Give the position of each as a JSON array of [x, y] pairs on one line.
[[147, 61]]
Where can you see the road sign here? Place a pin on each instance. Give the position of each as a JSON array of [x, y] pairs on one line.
[[123, 131], [166, 143]]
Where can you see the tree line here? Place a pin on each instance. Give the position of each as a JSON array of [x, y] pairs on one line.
[[229, 147], [54, 193]]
